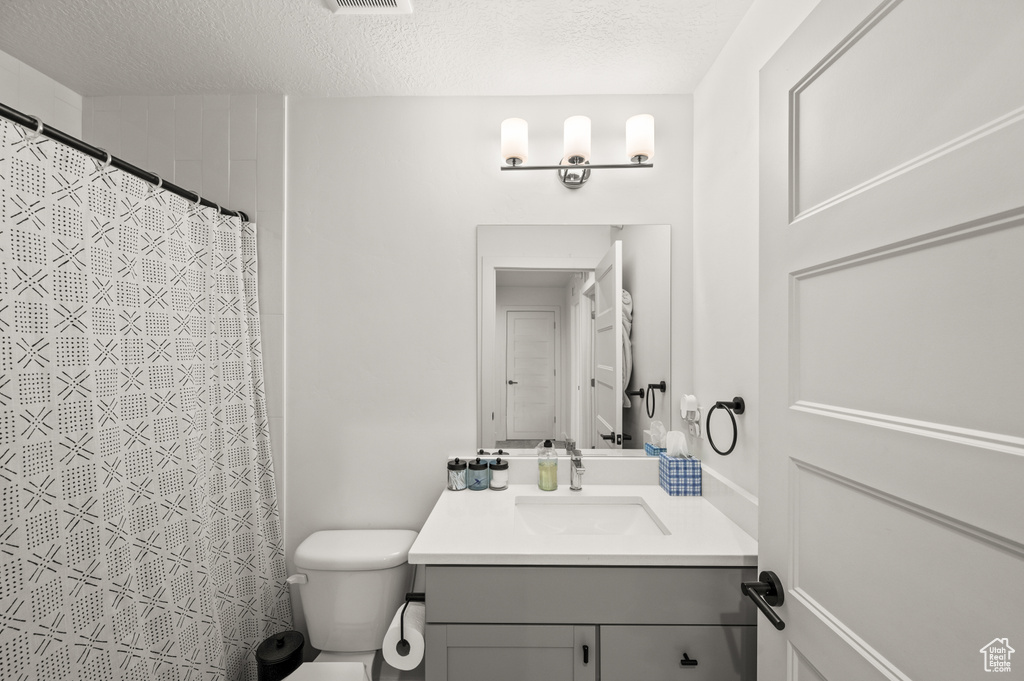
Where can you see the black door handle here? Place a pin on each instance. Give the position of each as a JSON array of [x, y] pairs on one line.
[[608, 437], [766, 593], [586, 654], [511, 382], [687, 662]]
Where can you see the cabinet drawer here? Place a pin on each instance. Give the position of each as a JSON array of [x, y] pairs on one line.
[[653, 653]]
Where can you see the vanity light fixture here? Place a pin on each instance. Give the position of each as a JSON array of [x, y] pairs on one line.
[[574, 168]]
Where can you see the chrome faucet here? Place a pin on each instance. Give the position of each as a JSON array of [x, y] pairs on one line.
[[576, 469]]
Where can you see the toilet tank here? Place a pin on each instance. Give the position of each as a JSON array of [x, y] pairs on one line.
[[356, 581]]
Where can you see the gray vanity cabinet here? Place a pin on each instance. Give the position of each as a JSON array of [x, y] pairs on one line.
[[555, 623]]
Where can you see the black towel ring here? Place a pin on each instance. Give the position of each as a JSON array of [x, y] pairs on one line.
[[737, 406], [650, 403]]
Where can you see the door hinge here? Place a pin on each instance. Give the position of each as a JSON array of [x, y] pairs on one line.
[[592, 383], [593, 315], [492, 415]]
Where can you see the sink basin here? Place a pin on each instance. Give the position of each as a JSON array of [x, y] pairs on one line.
[[586, 515]]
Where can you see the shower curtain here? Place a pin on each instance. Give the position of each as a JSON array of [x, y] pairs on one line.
[[139, 528]]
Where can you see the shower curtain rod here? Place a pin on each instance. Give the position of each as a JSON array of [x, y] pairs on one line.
[[36, 125]]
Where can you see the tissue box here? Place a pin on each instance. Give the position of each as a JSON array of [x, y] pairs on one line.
[[679, 477], [652, 450]]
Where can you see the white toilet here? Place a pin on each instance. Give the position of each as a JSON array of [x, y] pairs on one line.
[[355, 581]]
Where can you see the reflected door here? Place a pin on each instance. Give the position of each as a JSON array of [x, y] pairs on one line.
[[607, 349], [530, 401]]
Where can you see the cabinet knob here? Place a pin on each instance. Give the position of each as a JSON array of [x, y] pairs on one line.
[[687, 662], [586, 654]]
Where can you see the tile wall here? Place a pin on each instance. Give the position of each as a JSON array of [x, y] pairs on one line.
[[230, 149], [34, 93]]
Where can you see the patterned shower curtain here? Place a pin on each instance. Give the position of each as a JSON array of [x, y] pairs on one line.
[[139, 528]]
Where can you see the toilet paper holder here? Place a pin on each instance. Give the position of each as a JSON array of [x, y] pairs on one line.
[[411, 597]]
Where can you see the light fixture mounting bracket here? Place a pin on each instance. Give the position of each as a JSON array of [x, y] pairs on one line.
[[574, 174]]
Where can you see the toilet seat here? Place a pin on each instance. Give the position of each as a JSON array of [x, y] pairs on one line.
[[330, 671]]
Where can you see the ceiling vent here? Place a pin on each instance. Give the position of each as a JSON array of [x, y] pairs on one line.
[[370, 6]]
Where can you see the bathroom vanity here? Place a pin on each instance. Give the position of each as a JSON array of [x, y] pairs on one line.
[[614, 582]]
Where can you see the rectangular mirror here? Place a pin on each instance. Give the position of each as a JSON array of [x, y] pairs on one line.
[[560, 346]]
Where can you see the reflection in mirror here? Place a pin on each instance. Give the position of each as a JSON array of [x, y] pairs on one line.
[[548, 351]]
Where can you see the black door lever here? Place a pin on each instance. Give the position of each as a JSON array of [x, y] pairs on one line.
[[766, 593]]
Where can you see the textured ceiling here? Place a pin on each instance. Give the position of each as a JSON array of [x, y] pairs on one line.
[[298, 47]]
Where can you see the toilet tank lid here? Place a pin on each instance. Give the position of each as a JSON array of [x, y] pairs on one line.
[[354, 549]]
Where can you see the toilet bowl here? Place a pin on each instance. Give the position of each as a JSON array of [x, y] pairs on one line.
[[351, 582]]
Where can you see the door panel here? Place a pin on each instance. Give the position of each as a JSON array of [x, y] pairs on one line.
[[868, 298], [518, 653], [921, 49], [892, 339]]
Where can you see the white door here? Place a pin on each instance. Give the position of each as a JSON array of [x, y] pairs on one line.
[[608, 349], [892, 341], [530, 374]]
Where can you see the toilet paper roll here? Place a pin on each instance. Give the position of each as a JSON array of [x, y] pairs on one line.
[[415, 616]]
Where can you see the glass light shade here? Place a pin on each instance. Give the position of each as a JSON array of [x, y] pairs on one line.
[[640, 138], [576, 139], [514, 141]]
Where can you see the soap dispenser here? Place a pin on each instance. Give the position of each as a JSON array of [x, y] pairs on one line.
[[547, 467]]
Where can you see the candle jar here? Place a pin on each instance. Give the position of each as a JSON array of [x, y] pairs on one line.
[[456, 475], [478, 478]]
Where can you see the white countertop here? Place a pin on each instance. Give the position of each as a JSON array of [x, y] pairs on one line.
[[477, 528]]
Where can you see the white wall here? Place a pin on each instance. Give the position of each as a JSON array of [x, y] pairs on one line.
[[725, 235], [385, 195], [646, 274], [230, 149], [34, 93]]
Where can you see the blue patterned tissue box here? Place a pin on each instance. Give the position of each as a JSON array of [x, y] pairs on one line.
[[679, 477], [652, 450]]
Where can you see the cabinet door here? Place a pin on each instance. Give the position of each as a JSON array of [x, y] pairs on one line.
[[655, 653], [519, 653]]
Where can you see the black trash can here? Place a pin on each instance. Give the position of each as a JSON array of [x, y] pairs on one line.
[[279, 655]]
